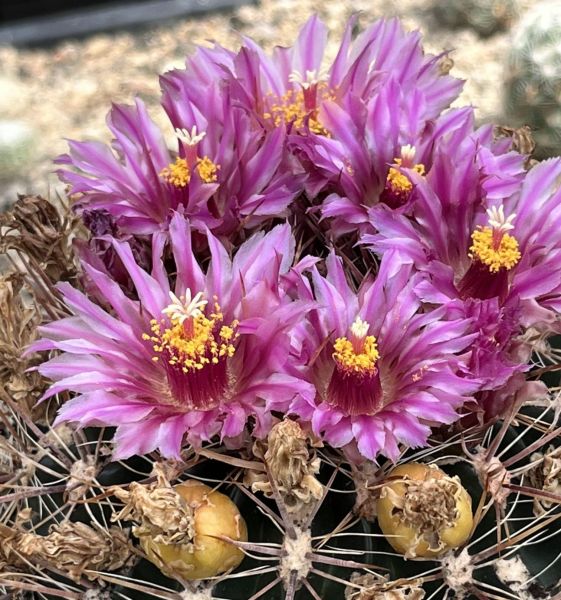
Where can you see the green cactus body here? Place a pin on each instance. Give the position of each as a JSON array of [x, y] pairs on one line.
[[532, 93]]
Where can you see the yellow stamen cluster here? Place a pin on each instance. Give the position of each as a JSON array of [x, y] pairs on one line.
[[179, 175], [351, 361], [484, 248], [399, 182], [290, 108], [207, 170], [196, 343]]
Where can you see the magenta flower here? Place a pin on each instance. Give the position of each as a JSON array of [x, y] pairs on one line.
[[485, 234], [171, 349], [364, 160], [498, 357], [291, 87], [225, 175], [484, 228], [350, 119], [193, 361], [384, 370]]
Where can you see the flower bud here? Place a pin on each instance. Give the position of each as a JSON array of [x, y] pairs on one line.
[[424, 512], [201, 555]]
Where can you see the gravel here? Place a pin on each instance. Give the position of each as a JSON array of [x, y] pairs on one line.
[[65, 91]]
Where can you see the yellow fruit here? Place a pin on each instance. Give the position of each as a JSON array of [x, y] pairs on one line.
[[424, 512], [213, 514]]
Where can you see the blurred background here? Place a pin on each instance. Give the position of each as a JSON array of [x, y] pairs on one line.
[[63, 62]]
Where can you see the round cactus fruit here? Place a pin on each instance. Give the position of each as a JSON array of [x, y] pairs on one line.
[[423, 512], [205, 555]]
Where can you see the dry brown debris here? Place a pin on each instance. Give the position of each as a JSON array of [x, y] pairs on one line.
[[522, 140], [81, 479], [36, 237], [292, 464], [41, 234], [7, 456], [493, 476], [8, 542], [445, 65], [77, 547], [547, 477], [18, 328], [379, 588], [365, 477], [73, 548], [158, 509]]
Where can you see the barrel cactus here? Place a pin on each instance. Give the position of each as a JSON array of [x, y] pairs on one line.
[[485, 17], [532, 91], [310, 352]]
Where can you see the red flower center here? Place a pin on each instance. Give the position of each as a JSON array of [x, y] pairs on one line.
[[355, 385]]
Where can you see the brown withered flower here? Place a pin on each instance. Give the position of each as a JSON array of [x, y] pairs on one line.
[[371, 587], [76, 548], [493, 476], [158, 510], [522, 140], [292, 464], [18, 328], [41, 235], [546, 476], [9, 556], [366, 476], [7, 456], [82, 478], [445, 64]]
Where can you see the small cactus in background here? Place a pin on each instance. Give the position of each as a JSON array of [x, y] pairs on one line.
[[486, 17], [532, 92]]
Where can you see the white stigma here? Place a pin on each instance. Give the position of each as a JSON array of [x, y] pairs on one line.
[[185, 307], [359, 328], [306, 81], [497, 218], [407, 154], [190, 138]]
